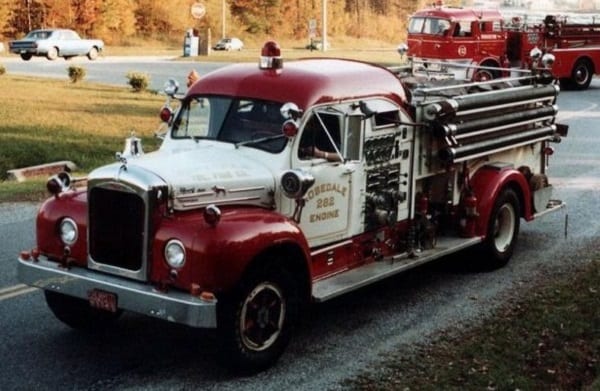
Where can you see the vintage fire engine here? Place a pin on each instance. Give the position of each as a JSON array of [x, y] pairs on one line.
[[282, 184], [476, 44]]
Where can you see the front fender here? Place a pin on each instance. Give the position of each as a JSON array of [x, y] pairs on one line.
[[219, 255], [72, 204], [488, 182]]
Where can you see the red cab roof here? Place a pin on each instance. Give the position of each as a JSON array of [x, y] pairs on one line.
[[304, 82], [462, 14]]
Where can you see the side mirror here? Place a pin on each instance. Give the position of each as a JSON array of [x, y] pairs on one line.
[[171, 87], [290, 111], [402, 49]]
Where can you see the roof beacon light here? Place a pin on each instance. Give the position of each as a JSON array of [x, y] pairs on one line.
[[270, 56]]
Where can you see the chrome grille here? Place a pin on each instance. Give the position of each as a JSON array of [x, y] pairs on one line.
[[116, 228]]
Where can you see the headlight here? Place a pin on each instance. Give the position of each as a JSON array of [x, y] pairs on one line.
[[295, 183], [175, 254], [68, 231]]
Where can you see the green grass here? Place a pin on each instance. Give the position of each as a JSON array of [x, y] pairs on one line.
[[548, 339], [45, 120]]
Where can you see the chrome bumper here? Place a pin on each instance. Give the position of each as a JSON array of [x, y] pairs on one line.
[[174, 306]]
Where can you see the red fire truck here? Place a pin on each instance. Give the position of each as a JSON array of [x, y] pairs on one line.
[[476, 44], [279, 185]]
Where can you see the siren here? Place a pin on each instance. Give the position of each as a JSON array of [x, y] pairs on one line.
[[270, 56]]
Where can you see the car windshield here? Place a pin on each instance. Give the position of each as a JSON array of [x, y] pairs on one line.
[[435, 26], [39, 34], [256, 123]]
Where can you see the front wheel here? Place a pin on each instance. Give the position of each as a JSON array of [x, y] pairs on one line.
[[77, 313], [503, 229], [52, 54], [26, 56], [255, 321]]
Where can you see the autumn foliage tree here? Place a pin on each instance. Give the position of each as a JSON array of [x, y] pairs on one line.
[[120, 21]]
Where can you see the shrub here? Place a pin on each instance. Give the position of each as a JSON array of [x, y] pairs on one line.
[[76, 73], [2, 69], [138, 81]]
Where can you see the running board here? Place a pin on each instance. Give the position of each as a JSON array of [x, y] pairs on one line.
[[345, 282]]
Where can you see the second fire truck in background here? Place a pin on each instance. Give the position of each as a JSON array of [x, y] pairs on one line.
[[476, 44]]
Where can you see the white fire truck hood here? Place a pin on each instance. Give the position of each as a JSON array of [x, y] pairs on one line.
[[202, 176]]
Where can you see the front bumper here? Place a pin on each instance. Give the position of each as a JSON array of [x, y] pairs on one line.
[[173, 306]]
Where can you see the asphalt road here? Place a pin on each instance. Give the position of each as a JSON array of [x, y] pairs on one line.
[[111, 70], [339, 338]]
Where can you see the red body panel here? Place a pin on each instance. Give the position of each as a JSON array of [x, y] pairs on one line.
[[487, 183], [567, 58], [217, 256], [71, 204]]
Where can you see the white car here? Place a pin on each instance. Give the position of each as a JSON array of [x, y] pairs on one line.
[[229, 44], [54, 43]]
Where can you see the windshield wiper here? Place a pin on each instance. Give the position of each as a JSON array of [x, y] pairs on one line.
[[259, 140]]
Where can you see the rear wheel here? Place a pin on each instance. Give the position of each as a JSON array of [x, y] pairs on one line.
[[93, 54], [26, 56], [52, 54], [503, 229], [77, 313], [255, 321], [581, 75]]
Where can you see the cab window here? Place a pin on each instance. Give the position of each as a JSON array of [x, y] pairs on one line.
[[322, 133]]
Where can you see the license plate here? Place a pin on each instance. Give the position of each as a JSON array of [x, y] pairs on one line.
[[103, 300]]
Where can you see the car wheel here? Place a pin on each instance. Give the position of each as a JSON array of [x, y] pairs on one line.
[[26, 56], [77, 313], [93, 54], [255, 322], [52, 54]]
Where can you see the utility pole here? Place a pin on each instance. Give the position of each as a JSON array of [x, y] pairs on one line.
[[222, 18], [28, 15], [324, 23]]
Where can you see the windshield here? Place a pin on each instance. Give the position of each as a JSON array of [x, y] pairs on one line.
[[434, 26], [39, 34], [232, 120]]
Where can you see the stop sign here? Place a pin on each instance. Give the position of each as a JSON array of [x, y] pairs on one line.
[[198, 10]]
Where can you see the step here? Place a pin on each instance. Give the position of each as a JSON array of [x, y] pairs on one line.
[[345, 282]]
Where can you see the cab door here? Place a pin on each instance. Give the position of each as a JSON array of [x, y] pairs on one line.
[[321, 151]]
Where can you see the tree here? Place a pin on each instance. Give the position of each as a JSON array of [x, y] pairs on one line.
[[86, 15], [7, 8], [116, 20]]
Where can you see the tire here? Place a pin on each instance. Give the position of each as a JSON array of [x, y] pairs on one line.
[[26, 56], [503, 229], [486, 74], [52, 54], [255, 322], [483, 75], [581, 75], [77, 313], [93, 54]]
